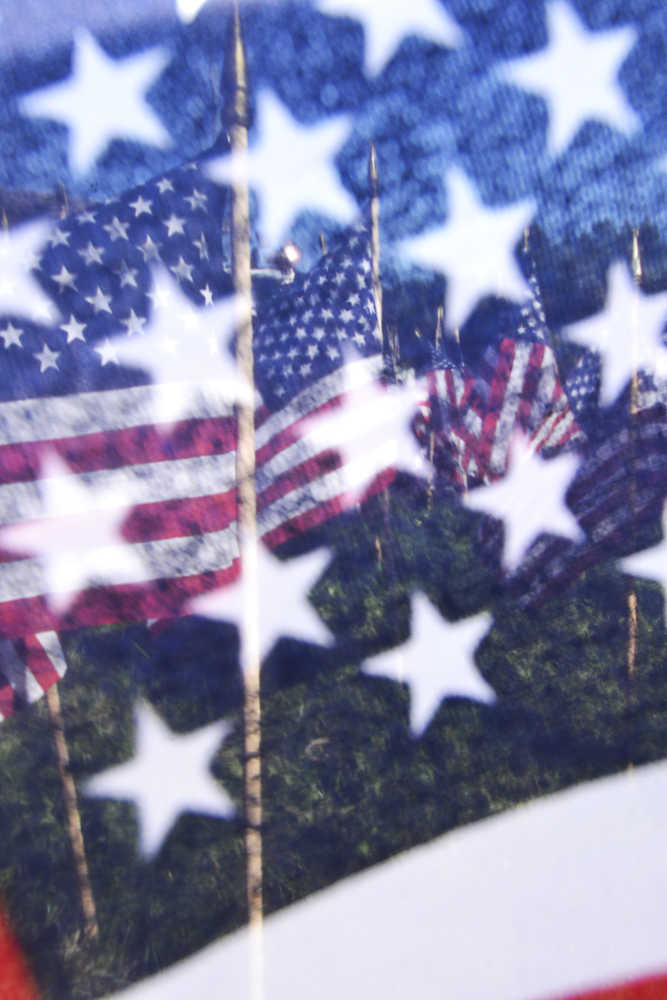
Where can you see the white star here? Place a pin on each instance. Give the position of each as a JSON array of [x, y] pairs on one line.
[[208, 295], [196, 200], [433, 676], [371, 429], [78, 538], [103, 100], [133, 323], [577, 75], [20, 293], [64, 279], [184, 347], [387, 22], [182, 270], [530, 499], [174, 225], [284, 608], [168, 775], [91, 254], [59, 238], [652, 563], [73, 329], [47, 358], [127, 275], [116, 229], [291, 168], [141, 206], [164, 185], [99, 301], [107, 352], [627, 333], [11, 336], [86, 216], [149, 250], [474, 248]]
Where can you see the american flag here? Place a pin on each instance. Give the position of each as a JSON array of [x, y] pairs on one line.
[[94, 412]]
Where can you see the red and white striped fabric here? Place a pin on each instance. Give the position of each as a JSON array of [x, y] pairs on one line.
[[518, 387], [28, 668]]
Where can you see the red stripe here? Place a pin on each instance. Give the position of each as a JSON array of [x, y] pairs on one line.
[[15, 980], [116, 449], [37, 661], [653, 988]]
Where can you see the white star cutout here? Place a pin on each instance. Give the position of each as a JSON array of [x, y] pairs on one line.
[[387, 22], [474, 248], [651, 564], [99, 301], [436, 662], [20, 293], [284, 608], [291, 168], [174, 324], [47, 358], [141, 206], [530, 499], [187, 10], [577, 75], [371, 429], [11, 336], [78, 537], [103, 100], [627, 333], [168, 775], [74, 329]]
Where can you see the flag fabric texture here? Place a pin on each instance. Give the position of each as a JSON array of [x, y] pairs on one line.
[[511, 844]]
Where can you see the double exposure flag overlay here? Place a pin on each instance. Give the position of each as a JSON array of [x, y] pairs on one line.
[[461, 496]]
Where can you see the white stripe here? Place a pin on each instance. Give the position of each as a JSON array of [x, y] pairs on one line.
[[533, 903], [166, 558], [511, 400], [50, 643], [19, 676], [54, 417], [357, 375], [130, 485]]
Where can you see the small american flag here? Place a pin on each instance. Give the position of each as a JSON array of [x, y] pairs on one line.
[[64, 391]]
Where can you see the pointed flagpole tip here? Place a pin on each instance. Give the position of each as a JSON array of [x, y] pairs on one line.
[[235, 75]]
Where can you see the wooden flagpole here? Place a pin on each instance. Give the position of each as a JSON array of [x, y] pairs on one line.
[[633, 623], [237, 114], [75, 833], [72, 814]]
